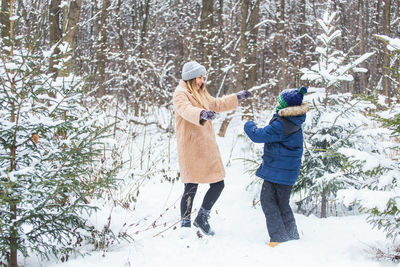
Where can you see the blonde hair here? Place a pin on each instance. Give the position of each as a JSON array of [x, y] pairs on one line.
[[197, 94]]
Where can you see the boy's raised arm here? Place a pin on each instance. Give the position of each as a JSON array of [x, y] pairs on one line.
[[270, 133]]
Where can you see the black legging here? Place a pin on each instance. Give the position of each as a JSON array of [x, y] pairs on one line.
[[209, 200]]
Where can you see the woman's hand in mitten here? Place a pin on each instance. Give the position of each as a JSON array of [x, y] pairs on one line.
[[208, 115], [243, 94]]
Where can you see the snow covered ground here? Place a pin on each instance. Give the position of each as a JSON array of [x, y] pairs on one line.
[[241, 235], [240, 238]]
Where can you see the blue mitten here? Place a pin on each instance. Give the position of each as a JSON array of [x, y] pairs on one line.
[[243, 95]]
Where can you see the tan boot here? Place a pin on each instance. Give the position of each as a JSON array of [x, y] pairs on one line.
[[273, 244]]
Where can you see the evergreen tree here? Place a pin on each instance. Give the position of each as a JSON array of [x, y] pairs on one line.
[[388, 218], [333, 65], [333, 136], [50, 148]]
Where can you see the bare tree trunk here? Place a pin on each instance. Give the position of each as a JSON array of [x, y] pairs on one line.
[[206, 26], [302, 33], [283, 46], [252, 58], [240, 82], [206, 42], [219, 53], [264, 56], [122, 83], [143, 16], [343, 21], [377, 69], [359, 77], [55, 32], [101, 56], [244, 8], [143, 32], [314, 8], [396, 91], [71, 19], [377, 15], [13, 255], [5, 19], [324, 204], [364, 38], [252, 45], [220, 19], [386, 57]]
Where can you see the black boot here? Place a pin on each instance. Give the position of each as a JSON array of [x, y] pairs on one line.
[[201, 222], [185, 223]]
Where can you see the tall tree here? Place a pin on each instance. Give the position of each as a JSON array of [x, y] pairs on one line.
[[386, 57], [101, 54], [72, 23], [143, 33], [121, 47], [5, 19], [55, 32], [12, 255], [333, 67], [376, 21], [284, 53], [70, 26], [240, 78], [247, 69], [251, 62], [252, 36], [303, 17], [362, 20], [146, 29], [207, 39]]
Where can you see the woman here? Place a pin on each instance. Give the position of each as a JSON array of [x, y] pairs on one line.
[[198, 154]]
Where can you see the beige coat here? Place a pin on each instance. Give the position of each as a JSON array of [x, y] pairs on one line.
[[198, 154]]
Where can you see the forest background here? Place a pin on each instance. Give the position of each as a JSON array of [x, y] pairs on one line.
[[124, 58], [135, 49]]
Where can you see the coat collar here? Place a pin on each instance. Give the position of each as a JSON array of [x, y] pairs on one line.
[[294, 110], [183, 88]]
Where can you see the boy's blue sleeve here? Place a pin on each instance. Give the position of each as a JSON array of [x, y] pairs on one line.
[[269, 134]]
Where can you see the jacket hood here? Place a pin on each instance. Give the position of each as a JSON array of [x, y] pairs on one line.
[[296, 114]]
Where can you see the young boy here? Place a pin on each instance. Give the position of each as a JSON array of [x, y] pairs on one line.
[[280, 167]]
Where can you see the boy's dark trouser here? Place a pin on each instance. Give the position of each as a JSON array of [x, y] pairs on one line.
[[281, 224], [209, 200]]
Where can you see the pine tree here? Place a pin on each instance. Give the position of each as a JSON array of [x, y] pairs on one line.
[[389, 218], [333, 65], [50, 148], [333, 136]]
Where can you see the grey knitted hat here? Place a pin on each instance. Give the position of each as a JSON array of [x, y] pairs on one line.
[[192, 70]]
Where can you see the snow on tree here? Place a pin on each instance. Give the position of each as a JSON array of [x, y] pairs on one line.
[[50, 158], [333, 66], [381, 199], [338, 154], [393, 46]]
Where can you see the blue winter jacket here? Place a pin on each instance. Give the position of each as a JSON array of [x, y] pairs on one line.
[[282, 153]]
